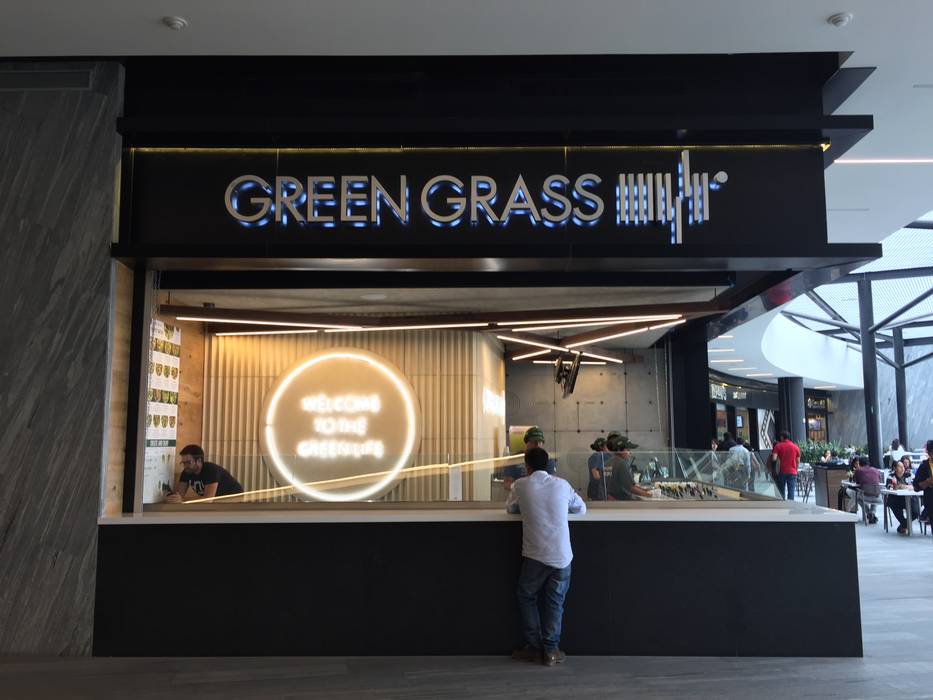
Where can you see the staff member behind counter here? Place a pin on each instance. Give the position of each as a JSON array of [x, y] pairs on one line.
[[206, 478], [534, 438], [622, 485]]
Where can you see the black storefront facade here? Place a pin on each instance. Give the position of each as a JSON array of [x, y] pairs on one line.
[[744, 408], [481, 172]]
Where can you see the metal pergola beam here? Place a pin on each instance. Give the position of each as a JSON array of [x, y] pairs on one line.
[[900, 385], [884, 275], [824, 321], [909, 343], [869, 371], [907, 307], [887, 360], [918, 360], [828, 310], [916, 322]]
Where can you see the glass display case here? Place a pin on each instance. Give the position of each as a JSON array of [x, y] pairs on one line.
[[446, 481]]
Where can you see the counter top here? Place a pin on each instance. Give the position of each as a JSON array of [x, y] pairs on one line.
[[666, 511]]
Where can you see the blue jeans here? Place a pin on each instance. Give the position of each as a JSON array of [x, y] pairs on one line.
[[541, 592], [787, 486]]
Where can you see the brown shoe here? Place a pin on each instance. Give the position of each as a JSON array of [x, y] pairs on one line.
[[527, 653], [552, 658]]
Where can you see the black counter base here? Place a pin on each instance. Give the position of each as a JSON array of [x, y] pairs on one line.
[[638, 588]]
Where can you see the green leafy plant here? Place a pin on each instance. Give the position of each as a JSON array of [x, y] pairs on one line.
[[812, 452]]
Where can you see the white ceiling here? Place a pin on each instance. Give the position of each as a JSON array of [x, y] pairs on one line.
[[450, 300], [865, 202], [402, 302]]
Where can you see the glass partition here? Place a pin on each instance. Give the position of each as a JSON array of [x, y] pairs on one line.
[[300, 479]]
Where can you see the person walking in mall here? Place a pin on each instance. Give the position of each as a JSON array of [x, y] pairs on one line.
[[787, 456], [726, 444], [544, 502], [741, 462], [923, 481], [596, 488]]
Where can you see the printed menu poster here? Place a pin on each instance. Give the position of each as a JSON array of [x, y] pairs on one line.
[[161, 410]]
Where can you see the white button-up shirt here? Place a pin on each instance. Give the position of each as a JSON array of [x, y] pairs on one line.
[[544, 502]]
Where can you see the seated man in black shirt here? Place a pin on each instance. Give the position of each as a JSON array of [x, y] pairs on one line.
[[206, 478]]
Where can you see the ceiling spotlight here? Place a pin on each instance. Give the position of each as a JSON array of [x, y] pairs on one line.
[[840, 19], [175, 23]]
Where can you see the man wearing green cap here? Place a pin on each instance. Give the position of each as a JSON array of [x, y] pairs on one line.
[[596, 488], [534, 437], [624, 486]]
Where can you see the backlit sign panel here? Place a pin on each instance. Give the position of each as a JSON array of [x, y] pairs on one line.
[[340, 425]]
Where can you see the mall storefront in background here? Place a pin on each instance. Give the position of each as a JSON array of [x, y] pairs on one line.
[[751, 410]]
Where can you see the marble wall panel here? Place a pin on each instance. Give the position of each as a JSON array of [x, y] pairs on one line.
[[59, 152], [847, 423]]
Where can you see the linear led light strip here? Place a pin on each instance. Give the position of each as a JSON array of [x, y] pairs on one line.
[[603, 322], [295, 331], [537, 353], [725, 362], [596, 319], [432, 326], [557, 348], [567, 362], [535, 344], [343, 328], [720, 350], [625, 333], [249, 322], [760, 374], [603, 357]]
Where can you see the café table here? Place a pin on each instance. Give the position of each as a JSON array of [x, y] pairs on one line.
[[909, 495]]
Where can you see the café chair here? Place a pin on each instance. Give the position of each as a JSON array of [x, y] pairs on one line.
[[864, 499]]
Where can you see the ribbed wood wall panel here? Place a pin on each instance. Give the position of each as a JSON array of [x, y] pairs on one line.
[[440, 365]]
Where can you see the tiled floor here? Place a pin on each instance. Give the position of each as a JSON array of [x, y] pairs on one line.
[[896, 582]]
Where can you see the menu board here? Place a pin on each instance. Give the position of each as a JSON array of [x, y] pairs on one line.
[[161, 410]]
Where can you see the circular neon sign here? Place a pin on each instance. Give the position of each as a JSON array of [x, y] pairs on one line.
[[339, 426]]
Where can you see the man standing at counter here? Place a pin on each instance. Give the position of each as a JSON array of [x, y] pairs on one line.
[[206, 478], [543, 501]]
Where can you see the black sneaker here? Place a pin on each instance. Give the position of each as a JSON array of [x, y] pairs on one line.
[[527, 653], [901, 530], [552, 658]]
